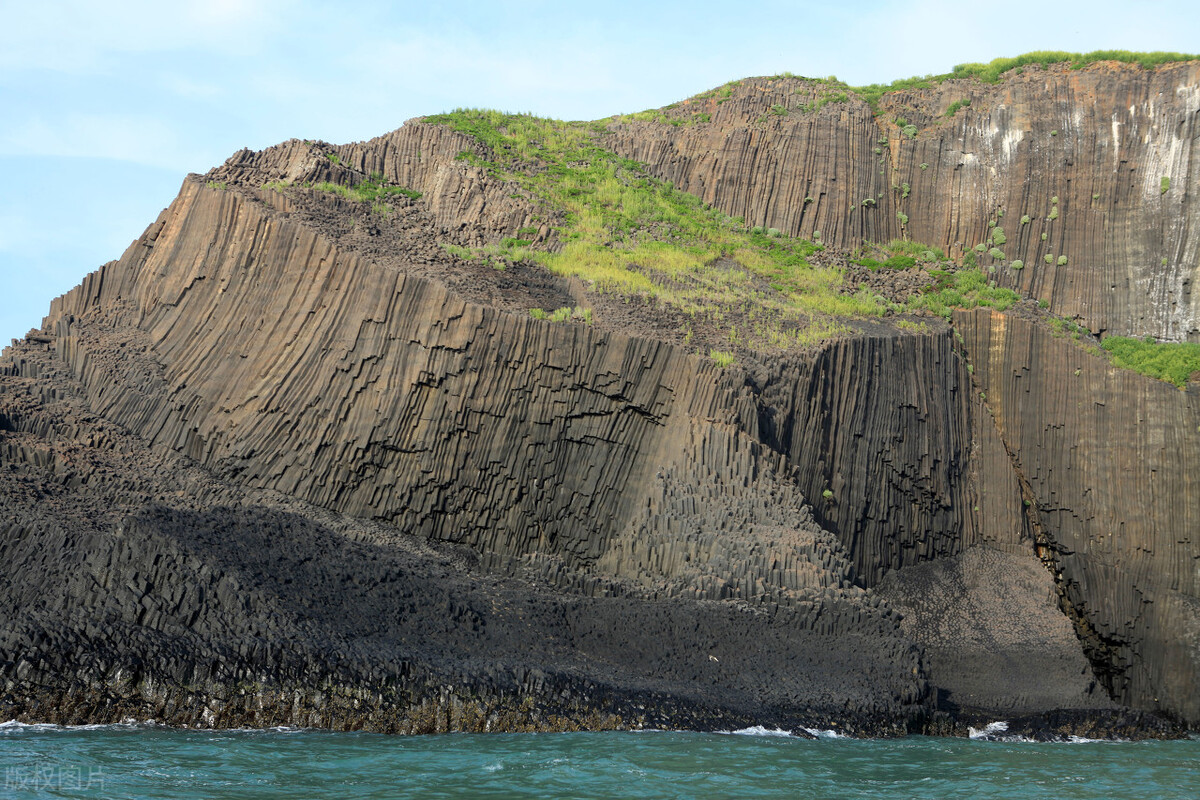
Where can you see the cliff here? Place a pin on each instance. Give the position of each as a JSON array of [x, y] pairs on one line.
[[1101, 160], [312, 453]]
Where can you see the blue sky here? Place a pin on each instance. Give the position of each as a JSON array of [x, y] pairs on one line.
[[105, 107]]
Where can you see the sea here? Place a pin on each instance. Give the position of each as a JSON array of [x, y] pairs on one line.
[[151, 761]]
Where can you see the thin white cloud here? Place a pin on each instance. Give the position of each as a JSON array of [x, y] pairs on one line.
[[421, 58], [183, 86], [82, 36], [142, 139]]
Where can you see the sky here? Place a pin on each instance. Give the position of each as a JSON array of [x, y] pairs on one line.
[[105, 107]]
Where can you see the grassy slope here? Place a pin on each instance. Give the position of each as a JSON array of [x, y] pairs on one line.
[[631, 234]]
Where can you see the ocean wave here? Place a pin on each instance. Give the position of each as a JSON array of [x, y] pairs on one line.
[[759, 730], [997, 732], [990, 731], [126, 724], [825, 733]]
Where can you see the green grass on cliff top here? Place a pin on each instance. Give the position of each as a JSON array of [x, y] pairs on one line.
[[628, 233], [991, 71]]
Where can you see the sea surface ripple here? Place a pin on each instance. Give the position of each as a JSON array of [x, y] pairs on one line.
[[146, 761]]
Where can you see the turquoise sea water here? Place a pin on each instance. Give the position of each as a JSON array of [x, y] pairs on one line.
[[153, 762]]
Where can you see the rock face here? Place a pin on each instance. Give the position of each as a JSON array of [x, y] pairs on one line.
[[1102, 160], [1107, 462], [289, 461]]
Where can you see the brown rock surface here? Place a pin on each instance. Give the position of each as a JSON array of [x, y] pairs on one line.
[[1107, 461]]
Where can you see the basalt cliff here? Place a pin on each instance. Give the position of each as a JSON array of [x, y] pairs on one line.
[[365, 436]]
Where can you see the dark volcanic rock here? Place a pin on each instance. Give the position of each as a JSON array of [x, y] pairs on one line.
[[1107, 461], [191, 601]]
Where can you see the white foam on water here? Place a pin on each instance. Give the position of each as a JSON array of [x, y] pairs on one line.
[[13, 725], [991, 729], [825, 734], [759, 730]]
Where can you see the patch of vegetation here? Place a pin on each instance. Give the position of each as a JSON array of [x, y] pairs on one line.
[[1164, 184], [722, 358], [823, 99], [992, 71], [660, 116], [721, 92], [464, 253], [1167, 361], [221, 185], [630, 234], [917, 250], [966, 288], [913, 326], [374, 189], [957, 105], [564, 314], [333, 157], [1017, 264]]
